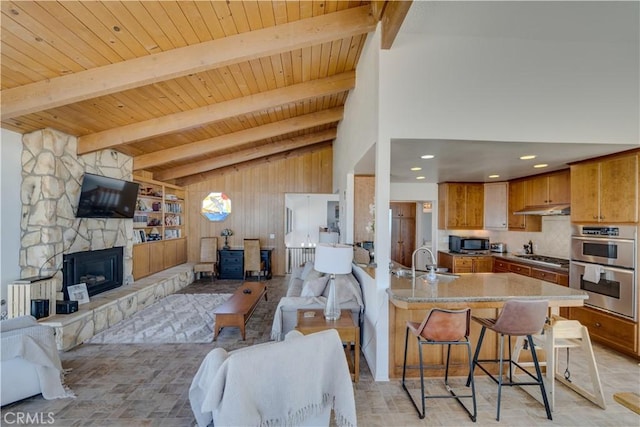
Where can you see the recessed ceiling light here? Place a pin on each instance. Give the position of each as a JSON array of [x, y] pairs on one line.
[[494, 176], [527, 157], [416, 169], [420, 177], [540, 165], [427, 156]]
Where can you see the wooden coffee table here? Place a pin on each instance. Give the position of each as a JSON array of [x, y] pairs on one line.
[[347, 329], [237, 310]]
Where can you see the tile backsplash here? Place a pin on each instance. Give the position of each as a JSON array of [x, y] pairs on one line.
[[553, 240]]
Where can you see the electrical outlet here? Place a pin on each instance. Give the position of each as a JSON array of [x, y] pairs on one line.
[[272, 236]]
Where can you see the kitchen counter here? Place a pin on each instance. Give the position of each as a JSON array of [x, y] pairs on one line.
[[512, 257], [484, 293], [481, 289]]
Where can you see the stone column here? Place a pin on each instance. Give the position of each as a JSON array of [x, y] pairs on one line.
[[51, 180]]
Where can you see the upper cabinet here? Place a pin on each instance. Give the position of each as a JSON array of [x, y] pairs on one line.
[[605, 190], [495, 205], [517, 201], [461, 206], [549, 189], [403, 210]]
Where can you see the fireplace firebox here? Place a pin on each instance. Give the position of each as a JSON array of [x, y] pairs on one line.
[[101, 270]]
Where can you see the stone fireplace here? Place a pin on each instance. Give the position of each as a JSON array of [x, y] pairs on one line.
[[51, 180], [101, 270]]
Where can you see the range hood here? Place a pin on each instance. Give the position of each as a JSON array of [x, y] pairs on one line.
[[545, 210]]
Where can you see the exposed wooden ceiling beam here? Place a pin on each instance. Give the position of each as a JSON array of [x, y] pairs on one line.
[[377, 8], [188, 119], [210, 145], [246, 155], [193, 179], [83, 85], [392, 19]]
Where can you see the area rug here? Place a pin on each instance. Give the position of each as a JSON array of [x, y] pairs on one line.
[[178, 318]]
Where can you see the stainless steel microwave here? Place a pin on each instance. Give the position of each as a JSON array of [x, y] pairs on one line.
[[468, 245]]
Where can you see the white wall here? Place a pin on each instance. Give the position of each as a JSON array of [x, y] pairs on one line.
[[10, 205], [503, 88], [309, 214], [357, 133], [511, 89]]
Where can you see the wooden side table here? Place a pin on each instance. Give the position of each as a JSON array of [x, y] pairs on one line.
[[348, 330]]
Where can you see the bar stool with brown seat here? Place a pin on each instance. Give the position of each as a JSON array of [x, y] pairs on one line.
[[441, 327], [517, 318]]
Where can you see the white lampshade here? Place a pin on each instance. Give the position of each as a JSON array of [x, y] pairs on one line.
[[334, 259]]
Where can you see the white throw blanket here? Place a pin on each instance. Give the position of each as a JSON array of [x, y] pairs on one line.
[[37, 345], [273, 384], [276, 328]]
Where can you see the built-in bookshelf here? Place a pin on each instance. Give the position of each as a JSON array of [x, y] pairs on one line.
[[159, 212], [159, 229]]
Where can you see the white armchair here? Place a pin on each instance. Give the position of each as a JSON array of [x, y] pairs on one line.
[[29, 361], [294, 382]]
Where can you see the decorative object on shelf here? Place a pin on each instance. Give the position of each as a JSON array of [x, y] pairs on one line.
[[153, 235], [216, 206], [333, 259], [226, 233]]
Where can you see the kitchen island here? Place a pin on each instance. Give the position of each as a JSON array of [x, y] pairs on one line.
[[484, 293]]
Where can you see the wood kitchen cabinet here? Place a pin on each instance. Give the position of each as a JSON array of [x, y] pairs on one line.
[[403, 232], [403, 210], [605, 190], [465, 263], [517, 201], [615, 332], [549, 189], [501, 265], [460, 206], [496, 205]]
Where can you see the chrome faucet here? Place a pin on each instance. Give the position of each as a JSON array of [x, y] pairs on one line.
[[413, 262]]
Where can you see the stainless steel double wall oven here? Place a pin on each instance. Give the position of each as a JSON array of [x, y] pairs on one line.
[[604, 265]]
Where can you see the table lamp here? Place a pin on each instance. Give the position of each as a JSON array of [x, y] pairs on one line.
[[333, 259]]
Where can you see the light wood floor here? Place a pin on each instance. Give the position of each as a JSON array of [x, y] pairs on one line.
[[147, 385]]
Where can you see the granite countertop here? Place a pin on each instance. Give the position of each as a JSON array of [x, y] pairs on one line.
[[482, 287], [510, 256]]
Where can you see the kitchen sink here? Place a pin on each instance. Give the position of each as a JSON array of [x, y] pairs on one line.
[[442, 277]]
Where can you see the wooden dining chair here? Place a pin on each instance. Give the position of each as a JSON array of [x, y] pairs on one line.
[[208, 257], [252, 259]]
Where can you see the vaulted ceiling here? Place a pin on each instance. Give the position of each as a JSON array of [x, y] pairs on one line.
[[188, 88]]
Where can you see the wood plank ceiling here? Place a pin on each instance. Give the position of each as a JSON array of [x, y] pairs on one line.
[[188, 88]]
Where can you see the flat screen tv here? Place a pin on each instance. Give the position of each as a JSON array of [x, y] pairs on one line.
[[104, 197]]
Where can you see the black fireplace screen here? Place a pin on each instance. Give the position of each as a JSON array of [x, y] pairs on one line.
[[101, 270]]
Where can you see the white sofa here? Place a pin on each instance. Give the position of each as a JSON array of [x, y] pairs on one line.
[[308, 289], [29, 362]]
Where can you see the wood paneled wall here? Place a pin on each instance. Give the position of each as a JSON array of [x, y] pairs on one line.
[[364, 195], [257, 200]]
